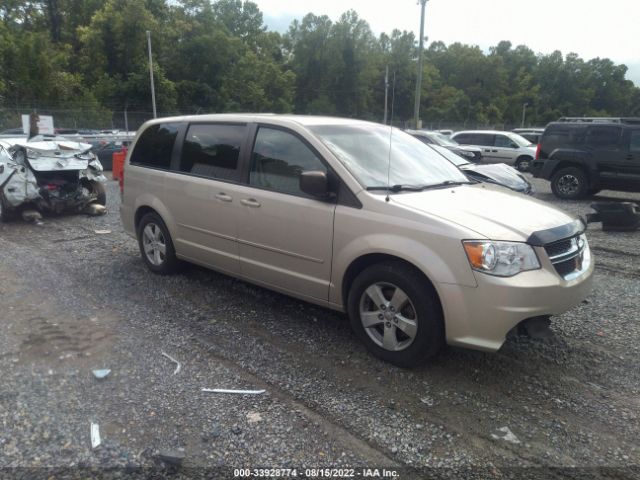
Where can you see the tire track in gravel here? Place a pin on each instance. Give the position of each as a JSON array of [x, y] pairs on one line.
[[76, 277]]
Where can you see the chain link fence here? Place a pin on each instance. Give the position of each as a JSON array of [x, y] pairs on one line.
[[86, 119]]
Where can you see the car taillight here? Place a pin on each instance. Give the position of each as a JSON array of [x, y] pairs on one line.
[[538, 152]]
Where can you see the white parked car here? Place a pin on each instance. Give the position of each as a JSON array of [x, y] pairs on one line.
[[500, 147]]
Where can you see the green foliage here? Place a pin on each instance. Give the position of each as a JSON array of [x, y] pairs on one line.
[[84, 59]]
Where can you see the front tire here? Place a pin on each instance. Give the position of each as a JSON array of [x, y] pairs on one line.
[[523, 164], [156, 246], [569, 183], [396, 314]]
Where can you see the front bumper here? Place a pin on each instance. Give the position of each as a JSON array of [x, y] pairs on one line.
[[480, 317]]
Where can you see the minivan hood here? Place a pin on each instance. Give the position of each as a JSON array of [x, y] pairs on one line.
[[491, 211]]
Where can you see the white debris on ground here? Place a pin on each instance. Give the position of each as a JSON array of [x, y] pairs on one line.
[[507, 435]]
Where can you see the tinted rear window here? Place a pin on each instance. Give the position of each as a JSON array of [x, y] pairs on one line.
[[561, 136], [155, 146], [602, 137], [212, 150], [474, 139], [484, 139], [634, 141]]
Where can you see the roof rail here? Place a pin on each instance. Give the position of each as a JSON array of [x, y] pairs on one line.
[[627, 120]]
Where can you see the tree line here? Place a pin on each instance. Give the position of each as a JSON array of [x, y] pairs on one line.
[[90, 57]]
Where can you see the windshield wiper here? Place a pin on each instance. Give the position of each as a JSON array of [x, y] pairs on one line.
[[397, 188], [446, 183], [417, 188]]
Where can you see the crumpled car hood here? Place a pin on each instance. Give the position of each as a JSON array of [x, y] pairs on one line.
[[500, 173], [491, 211], [60, 155]]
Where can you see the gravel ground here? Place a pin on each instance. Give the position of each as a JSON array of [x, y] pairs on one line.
[[74, 300]]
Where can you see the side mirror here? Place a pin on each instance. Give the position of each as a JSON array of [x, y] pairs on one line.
[[315, 183]]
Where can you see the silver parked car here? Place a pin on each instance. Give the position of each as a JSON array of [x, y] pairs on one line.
[[356, 217], [498, 174], [500, 147]]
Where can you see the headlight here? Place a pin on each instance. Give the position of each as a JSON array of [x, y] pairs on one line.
[[466, 153], [503, 259], [32, 153]]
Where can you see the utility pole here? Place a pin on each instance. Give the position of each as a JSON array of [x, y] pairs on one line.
[[416, 108], [153, 89], [524, 112], [386, 93]]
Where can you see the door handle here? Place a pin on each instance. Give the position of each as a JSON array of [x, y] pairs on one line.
[[224, 197], [629, 157], [495, 151], [250, 202]]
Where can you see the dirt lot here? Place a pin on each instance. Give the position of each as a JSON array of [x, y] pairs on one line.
[[74, 300]]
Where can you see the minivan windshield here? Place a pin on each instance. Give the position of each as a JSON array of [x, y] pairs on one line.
[[519, 140], [364, 150]]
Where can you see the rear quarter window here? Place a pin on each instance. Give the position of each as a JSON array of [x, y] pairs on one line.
[[603, 136], [463, 138], [154, 148], [561, 136], [483, 139], [634, 141]]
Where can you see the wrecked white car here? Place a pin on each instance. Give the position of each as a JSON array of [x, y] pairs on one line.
[[51, 177]]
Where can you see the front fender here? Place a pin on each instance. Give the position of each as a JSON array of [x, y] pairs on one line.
[[447, 265]]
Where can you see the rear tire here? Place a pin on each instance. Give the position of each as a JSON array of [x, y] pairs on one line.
[[569, 183], [7, 214], [396, 313], [98, 189], [156, 246]]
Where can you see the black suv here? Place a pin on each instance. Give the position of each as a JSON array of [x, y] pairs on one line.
[[583, 156]]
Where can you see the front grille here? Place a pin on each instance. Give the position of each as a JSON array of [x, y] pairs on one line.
[[566, 267], [566, 255], [559, 248]]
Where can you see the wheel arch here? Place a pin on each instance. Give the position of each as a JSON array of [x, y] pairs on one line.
[[361, 263], [153, 205], [561, 165], [141, 212]]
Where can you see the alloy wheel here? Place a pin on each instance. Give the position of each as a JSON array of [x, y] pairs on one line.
[[568, 185], [388, 316], [154, 244]]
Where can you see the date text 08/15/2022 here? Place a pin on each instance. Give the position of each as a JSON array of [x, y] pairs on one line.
[[315, 473]]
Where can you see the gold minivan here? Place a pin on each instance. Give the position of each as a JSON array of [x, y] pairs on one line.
[[356, 217]]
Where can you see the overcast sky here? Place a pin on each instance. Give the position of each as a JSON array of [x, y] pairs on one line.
[[590, 28]]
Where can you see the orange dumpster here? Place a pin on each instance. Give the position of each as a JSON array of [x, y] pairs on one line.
[[118, 164]]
